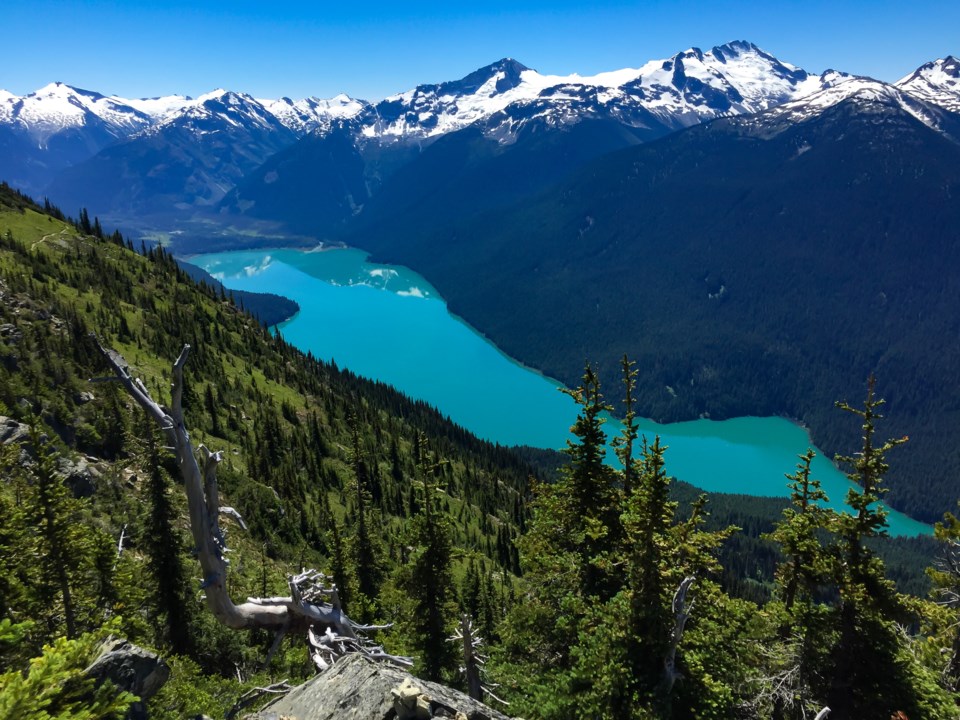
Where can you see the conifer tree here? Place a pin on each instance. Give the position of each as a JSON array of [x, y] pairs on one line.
[[162, 545], [366, 549], [803, 568], [591, 489], [865, 677], [802, 637], [338, 560], [647, 519], [428, 579], [54, 513]]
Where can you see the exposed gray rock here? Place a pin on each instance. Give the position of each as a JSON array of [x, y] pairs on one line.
[[10, 333], [12, 431], [130, 668], [79, 475], [357, 688]]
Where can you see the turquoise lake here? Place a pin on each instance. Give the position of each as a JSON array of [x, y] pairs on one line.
[[389, 324]]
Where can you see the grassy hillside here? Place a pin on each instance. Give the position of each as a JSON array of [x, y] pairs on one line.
[[295, 434]]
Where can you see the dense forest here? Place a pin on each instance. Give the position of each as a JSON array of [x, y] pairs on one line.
[[750, 267], [599, 592]]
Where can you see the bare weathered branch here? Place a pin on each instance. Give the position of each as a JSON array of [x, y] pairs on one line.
[[251, 696], [681, 611], [231, 512]]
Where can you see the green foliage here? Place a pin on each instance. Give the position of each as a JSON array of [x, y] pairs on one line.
[[54, 686], [427, 578], [596, 622], [296, 467], [943, 620], [345, 475], [164, 547], [798, 655], [190, 692]]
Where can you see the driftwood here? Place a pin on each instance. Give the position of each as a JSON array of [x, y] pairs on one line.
[[312, 608]]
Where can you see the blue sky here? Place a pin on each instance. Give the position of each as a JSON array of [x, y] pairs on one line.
[[296, 49]]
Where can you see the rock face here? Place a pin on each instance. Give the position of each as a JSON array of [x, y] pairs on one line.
[[12, 431], [130, 668], [359, 689]]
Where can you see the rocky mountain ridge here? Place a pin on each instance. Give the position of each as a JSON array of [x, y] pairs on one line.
[[49, 136]]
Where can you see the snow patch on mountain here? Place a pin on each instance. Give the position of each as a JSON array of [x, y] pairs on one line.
[[312, 113], [57, 107], [869, 94], [686, 89], [937, 82], [157, 107]]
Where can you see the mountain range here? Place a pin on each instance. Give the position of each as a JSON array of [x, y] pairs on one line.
[[759, 238], [172, 156]]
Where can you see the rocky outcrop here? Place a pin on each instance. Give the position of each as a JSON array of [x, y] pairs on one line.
[[12, 431], [357, 688], [131, 668]]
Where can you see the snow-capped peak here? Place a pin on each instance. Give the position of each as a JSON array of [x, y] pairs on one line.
[[212, 95], [689, 87], [869, 94], [57, 106], [312, 113], [937, 82], [217, 110], [156, 107]]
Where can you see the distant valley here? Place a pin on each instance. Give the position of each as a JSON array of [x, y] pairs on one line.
[[759, 238]]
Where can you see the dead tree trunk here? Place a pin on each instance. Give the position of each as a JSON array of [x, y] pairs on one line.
[[309, 605], [681, 611], [471, 665]]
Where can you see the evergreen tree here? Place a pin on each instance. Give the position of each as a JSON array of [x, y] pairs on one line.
[[866, 675], [338, 561], [591, 490], [366, 548], [648, 517], [60, 543], [163, 545], [798, 654], [625, 442], [428, 578], [56, 687]]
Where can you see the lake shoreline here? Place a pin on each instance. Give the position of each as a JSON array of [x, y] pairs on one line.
[[439, 358]]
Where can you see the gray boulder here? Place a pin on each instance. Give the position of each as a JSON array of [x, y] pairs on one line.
[[130, 668], [357, 688], [12, 431], [81, 477]]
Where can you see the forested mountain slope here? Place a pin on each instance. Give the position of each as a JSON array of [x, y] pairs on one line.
[[308, 450], [413, 518], [756, 265]]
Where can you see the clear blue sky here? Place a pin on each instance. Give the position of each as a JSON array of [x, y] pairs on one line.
[[372, 49]]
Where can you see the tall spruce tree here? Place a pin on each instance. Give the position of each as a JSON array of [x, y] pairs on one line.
[[367, 552], [798, 654], [163, 545], [428, 578], [592, 489], [866, 676], [68, 547]]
